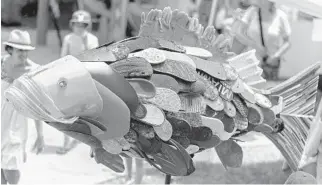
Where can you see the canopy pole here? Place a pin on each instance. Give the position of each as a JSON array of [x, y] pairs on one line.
[[212, 13]]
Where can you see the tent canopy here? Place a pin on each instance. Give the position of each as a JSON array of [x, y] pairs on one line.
[[311, 7]]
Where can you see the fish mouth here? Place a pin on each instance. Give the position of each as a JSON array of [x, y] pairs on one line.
[[31, 100]]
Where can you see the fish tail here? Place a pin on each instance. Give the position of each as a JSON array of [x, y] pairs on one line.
[[299, 97]]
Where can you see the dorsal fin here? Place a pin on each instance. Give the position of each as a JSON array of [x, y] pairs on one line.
[[177, 26]]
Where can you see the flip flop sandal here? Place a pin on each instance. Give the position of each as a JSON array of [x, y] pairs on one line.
[[230, 154], [192, 103], [171, 46], [143, 88], [149, 146], [170, 160], [196, 87], [229, 124], [230, 72], [193, 119], [192, 149], [142, 129], [241, 122], [218, 127], [198, 52], [216, 105], [177, 69], [263, 101], [164, 131], [224, 90], [152, 55], [113, 105], [240, 106], [211, 92], [182, 140], [166, 99], [112, 146], [201, 133], [230, 109], [87, 139], [114, 83], [180, 126], [112, 161], [133, 68], [165, 81], [154, 116], [95, 126], [248, 94], [238, 86], [106, 53], [213, 69], [213, 142], [255, 115], [180, 57], [140, 112], [78, 126]]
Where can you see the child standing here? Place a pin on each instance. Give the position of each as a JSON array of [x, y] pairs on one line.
[[74, 43], [14, 126], [80, 39]]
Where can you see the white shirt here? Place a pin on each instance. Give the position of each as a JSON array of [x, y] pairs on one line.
[[14, 126], [74, 44]]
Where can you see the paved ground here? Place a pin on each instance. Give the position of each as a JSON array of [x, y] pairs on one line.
[[262, 161]]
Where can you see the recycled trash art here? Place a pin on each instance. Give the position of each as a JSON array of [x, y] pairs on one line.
[[172, 91]]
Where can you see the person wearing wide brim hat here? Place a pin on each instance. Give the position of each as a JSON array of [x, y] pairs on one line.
[[13, 149], [19, 39]]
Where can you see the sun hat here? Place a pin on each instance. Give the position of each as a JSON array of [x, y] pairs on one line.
[[19, 39], [81, 16]]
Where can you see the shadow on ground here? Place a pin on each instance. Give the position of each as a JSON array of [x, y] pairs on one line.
[[214, 173]]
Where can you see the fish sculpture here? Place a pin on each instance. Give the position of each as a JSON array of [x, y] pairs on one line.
[[173, 91]]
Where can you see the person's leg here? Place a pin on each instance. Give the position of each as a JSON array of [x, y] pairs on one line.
[[139, 171], [128, 168], [12, 176], [3, 178], [64, 149]]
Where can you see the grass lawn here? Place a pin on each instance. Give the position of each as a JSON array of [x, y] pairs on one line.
[[261, 164]]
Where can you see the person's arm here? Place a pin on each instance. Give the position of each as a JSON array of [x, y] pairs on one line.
[[286, 33], [97, 7], [39, 143], [65, 47]]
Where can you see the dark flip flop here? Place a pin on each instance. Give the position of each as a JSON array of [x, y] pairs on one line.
[[171, 160], [165, 81], [114, 82], [133, 68], [112, 161]]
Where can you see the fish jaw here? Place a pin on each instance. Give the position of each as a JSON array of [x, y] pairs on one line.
[[60, 91]]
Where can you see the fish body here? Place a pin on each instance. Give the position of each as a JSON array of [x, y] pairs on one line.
[[206, 101]]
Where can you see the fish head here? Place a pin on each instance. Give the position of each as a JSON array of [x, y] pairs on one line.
[[60, 91]]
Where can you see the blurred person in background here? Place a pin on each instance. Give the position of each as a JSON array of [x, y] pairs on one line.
[[74, 43], [14, 126], [106, 17], [11, 12], [265, 28]]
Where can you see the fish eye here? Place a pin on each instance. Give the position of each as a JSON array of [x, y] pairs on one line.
[[62, 83]]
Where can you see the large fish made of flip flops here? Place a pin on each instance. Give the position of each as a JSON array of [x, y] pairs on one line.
[[172, 91]]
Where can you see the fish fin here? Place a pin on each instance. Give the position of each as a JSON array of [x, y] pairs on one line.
[[299, 97], [247, 66]]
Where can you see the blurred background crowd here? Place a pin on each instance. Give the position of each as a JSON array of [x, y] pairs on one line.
[[285, 37]]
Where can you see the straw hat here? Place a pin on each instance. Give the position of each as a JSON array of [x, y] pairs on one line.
[[19, 39]]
